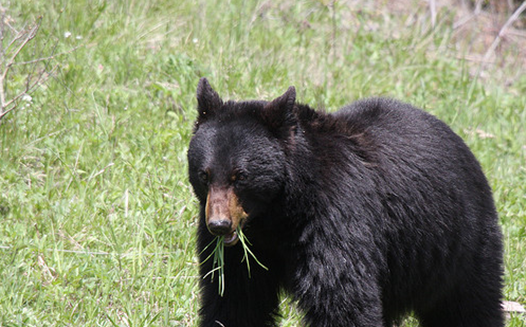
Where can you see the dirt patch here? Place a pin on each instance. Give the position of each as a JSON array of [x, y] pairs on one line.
[[489, 34]]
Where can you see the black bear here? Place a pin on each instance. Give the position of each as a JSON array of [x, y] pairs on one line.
[[362, 215]]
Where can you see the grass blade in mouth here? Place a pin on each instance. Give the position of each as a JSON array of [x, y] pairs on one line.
[[218, 254], [245, 243], [218, 263]]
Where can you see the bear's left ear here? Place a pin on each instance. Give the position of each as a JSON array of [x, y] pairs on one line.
[[279, 111], [207, 99]]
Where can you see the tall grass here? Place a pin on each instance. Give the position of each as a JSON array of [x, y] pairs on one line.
[[98, 218]]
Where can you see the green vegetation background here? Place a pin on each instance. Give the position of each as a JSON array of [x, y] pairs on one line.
[[97, 217]]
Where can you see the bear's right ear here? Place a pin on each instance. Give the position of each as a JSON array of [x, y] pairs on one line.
[[207, 99]]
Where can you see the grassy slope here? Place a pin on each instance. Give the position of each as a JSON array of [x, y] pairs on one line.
[[97, 214]]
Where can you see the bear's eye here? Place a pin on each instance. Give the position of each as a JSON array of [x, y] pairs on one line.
[[239, 176], [203, 176]]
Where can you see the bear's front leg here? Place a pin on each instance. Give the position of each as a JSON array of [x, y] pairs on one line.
[[249, 299], [335, 287]]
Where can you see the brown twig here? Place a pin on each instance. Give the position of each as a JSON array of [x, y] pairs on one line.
[[25, 36], [30, 35], [31, 85], [8, 59], [2, 31], [34, 61], [511, 20]]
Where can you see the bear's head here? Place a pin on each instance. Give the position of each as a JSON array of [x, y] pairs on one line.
[[236, 158]]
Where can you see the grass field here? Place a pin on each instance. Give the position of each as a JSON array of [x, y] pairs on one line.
[[97, 217]]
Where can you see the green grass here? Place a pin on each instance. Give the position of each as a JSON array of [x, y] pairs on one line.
[[97, 215]]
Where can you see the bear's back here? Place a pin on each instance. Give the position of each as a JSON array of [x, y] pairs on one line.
[[394, 120], [421, 153], [405, 137]]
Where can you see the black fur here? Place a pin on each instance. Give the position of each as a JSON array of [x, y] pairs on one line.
[[361, 215]]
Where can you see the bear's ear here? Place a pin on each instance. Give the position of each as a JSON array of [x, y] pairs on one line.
[[278, 112], [207, 99]]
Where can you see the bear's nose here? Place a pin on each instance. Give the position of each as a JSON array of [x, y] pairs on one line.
[[220, 227]]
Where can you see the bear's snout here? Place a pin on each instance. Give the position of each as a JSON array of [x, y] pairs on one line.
[[224, 213]]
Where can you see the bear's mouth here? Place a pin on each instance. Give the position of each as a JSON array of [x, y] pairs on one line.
[[231, 239]]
